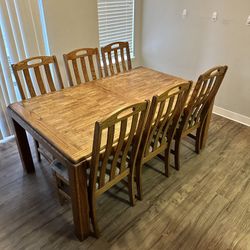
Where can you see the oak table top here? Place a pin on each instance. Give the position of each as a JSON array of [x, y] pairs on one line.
[[66, 118]]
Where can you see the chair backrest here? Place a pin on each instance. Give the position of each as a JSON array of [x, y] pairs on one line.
[[163, 118], [36, 72], [202, 97], [84, 64], [116, 58], [115, 146]]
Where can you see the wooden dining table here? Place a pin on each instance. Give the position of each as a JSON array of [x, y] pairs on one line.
[[63, 123]]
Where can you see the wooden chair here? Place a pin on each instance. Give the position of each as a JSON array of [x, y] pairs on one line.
[[88, 60], [116, 58], [37, 64], [163, 118], [37, 80], [115, 147], [196, 111]]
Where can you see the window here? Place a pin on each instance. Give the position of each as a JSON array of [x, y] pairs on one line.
[[116, 22]]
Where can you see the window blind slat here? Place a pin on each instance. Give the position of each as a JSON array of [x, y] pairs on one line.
[[116, 22]]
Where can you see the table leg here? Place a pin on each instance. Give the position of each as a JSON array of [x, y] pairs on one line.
[[79, 199], [23, 148], [206, 127]]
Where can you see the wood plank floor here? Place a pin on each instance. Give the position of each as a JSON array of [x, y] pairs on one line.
[[206, 205]]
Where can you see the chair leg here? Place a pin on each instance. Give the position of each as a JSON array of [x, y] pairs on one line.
[[198, 140], [131, 189], [92, 208], [177, 152], [205, 126], [139, 181], [203, 133], [167, 153], [38, 154]]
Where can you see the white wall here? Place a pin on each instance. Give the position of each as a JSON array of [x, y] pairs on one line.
[[188, 47], [73, 24]]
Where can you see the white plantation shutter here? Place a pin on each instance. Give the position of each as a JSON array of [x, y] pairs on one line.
[[116, 22]]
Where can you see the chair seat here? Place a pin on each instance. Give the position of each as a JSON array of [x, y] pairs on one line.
[[62, 171]]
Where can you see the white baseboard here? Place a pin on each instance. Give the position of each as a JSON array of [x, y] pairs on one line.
[[232, 115]]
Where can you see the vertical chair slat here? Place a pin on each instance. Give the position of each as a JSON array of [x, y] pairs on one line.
[[84, 69], [39, 80], [111, 68], [129, 141], [108, 149], [203, 93], [128, 58], [123, 60], [173, 101], [201, 99], [177, 104], [117, 61], [210, 85], [119, 147], [66, 63], [98, 62], [156, 123], [58, 73], [202, 89], [197, 102], [49, 77], [76, 71], [29, 82], [92, 67], [104, 60], [164, 124]]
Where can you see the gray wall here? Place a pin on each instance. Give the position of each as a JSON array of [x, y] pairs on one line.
[[188, 47]]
